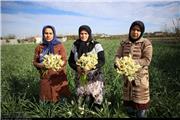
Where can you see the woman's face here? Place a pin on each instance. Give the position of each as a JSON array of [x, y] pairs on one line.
[[48, 34], [84, 35], [135, 32]]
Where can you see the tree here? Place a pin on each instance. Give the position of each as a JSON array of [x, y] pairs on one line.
[[10, 36], [176, 27]]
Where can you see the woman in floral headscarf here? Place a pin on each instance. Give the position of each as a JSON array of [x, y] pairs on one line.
[[136, 93], [53, 84]]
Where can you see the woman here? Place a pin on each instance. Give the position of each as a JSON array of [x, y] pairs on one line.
[[53, 84], [136, 93], [93, 90]]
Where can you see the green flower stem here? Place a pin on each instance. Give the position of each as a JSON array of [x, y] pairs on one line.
[[83, 79]]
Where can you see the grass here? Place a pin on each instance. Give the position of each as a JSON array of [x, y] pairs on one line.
[[20, 85]]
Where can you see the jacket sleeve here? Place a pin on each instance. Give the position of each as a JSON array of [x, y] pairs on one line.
[[72, 62], [146, 53], [101, 59], [36, 58], [63, 54], [100, 54]]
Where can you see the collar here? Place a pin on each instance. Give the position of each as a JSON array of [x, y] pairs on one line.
[[138, 41]]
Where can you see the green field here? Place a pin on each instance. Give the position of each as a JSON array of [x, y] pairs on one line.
[[20, 85]]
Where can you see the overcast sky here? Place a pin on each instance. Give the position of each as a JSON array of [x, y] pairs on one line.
[[26, 18]]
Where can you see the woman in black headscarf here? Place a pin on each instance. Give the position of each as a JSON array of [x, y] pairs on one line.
[[136, 95], [93, 90]]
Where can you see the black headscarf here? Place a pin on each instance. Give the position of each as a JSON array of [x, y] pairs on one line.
[[84, 46], [142, 28]]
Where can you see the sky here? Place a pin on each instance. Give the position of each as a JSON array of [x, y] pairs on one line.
[[25, 18]]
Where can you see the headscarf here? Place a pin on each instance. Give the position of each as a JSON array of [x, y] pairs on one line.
[[142, 28], [48, 45], [84, 46], [87, 29]]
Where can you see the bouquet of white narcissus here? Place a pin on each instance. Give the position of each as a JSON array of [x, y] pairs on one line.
[[53, 61], [127, 66], [87, 61]]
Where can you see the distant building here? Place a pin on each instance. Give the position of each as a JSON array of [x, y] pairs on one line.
[[62, 38], [158, 33], [38, 39], [104, 35], [3, 41], [9, 41]]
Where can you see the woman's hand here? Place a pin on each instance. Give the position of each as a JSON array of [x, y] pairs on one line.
[[60, 69], [85, 71], [79, 70], [40, 65], [52, 72], [82, 71]]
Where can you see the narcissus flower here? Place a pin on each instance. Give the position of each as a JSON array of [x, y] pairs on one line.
[[53, 61], [127, 66], [87, 61]]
